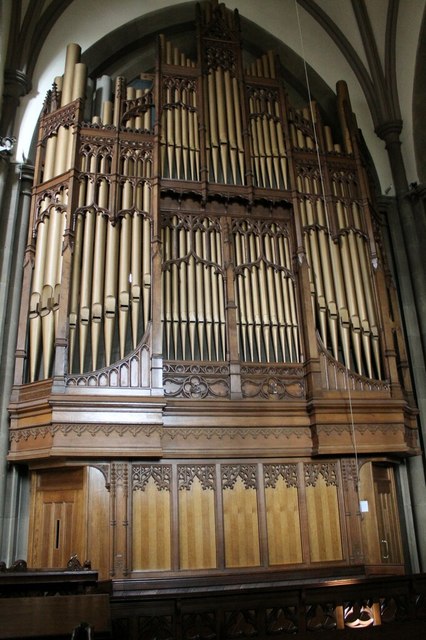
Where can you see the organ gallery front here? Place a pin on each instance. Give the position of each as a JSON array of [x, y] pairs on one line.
[[210, 373]]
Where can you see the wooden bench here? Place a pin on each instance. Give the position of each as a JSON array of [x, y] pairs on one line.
[[54, 616]]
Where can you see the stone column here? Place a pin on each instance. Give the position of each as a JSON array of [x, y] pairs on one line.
[[15, 212], [407, 227]]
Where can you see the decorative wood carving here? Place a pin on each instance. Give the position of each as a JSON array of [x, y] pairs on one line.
[[196, 381], [328, 471], [246, 472], [288, 472], [160, 474], [204, 473]]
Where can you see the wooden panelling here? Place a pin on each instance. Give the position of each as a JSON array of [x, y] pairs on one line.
[[240, 516], [151, 519], [324, 529], [282, 514], [98, 520], [197, 519]]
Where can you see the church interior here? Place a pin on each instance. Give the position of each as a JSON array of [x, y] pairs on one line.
[[213, 319]]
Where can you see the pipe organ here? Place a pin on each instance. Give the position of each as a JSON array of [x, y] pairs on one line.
[[210, 369]]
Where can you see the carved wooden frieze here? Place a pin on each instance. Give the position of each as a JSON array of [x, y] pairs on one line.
[[205, 473], [161, 474]]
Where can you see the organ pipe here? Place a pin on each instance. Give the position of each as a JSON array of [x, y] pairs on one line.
[[231, 129]]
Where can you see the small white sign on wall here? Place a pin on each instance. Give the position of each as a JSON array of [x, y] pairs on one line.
[[363, 504]]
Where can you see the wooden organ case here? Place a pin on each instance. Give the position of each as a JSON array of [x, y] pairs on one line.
[[210, 372]]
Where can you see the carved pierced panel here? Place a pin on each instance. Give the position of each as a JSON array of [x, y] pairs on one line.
[[204, 473], [288, 472], [195, 381], [161, 474], [245, 472], [327, 470]]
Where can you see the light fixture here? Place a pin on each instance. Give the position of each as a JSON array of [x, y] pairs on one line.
[[6, 144]]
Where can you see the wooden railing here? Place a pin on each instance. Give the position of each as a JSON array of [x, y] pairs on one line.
[[271, 607]]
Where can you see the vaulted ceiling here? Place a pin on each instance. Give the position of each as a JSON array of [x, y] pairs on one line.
[[377, 46]]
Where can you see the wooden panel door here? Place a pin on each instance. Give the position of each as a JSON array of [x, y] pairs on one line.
[[379, 517], [57, 528], [387, 515]]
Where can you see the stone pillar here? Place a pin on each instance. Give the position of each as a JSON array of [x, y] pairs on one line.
[[407, 228], [15, 210]]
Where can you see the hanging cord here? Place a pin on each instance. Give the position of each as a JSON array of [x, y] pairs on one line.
[[308, 87]]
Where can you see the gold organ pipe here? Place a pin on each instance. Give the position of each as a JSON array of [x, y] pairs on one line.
[[281, 145], [216, 284], [290, 284], [135, 270], [274, 148], [176, 316], [254, 143], [139, 119], [348, 276], [286, 289], [241, 303], [208, 277], [183, 293], [328, 280], [238, 127], [214, 142], [177, 137], [268, 149], [192, 305], [98, 284], [124, 269], [265, 299], [221, 116], [256, 296], [75, 282], [50, 278], [35, 301], [186, 125], [170, 135], [146, 269], [328, 139], [363, 253], [72, 58], [199, 282], [167, 314], [317, 270], [222, 314], [248, 296], [130, 95], [192, 126], [231, 116], [260, 141], [85, 291], [271, 293]]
